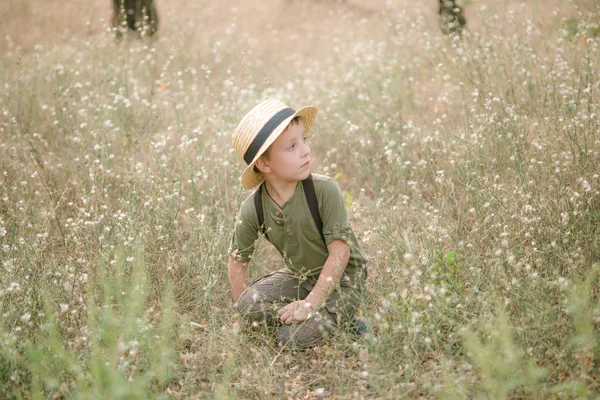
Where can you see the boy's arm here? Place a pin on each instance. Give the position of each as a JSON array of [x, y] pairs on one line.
[[238, 277], [339, 254], [298, 311]]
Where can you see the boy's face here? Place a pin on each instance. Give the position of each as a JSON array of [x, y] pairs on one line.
[[288, 157]]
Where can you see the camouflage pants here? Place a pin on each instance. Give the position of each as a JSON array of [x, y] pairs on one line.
[[265, 296]]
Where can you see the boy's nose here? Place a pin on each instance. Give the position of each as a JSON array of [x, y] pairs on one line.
[[306, 150]]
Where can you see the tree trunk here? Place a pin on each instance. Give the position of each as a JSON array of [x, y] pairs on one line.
[[135, 15], [451, 16]]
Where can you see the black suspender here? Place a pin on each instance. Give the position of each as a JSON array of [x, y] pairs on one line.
[[259, 210], [311, 199], [313, 204]]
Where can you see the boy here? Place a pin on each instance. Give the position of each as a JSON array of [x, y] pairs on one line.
[[304, 217]]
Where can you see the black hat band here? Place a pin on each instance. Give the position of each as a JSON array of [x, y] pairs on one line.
[[265, 132]]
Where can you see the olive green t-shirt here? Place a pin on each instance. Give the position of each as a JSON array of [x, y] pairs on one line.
[[294, 233]]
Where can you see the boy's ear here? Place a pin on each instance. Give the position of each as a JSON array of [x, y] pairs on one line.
[[262, 165]]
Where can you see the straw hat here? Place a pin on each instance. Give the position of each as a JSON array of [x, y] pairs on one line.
[[259, 129]]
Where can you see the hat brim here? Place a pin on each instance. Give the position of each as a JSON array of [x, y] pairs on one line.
[[250, 179]]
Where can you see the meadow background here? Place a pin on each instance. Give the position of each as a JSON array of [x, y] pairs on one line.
[[470, 164]]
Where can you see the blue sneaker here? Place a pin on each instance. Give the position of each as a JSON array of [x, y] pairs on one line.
[[358, 327]]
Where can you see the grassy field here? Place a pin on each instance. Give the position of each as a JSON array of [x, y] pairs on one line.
[[471, 166]]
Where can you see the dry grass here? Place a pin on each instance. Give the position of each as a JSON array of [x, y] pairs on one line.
[[472, 163]]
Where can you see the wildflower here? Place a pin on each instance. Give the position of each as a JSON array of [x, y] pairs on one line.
[[14, 287]]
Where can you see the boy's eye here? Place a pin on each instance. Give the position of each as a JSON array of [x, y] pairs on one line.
[[305, 139], [291, 147]]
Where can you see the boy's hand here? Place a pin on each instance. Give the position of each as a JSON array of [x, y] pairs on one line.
[[295, 312]]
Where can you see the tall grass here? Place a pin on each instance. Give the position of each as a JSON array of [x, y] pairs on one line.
[[471, 165]]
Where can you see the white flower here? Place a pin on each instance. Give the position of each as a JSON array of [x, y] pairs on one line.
[[14, 287], [25, 317]]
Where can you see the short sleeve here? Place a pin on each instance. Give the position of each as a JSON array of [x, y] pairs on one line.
[[333, 213], [245, 232]]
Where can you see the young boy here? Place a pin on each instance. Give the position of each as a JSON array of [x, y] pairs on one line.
[[325, 266]]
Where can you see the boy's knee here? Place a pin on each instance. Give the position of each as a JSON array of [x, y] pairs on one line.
[[251, 307], [303, 336], [245, 302]]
